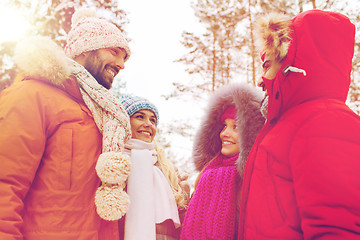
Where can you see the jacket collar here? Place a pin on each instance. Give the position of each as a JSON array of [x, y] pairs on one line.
[[70, 86]]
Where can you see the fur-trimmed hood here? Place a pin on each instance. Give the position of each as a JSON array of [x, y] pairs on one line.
[[247, 100], [40, 57], [272, 35], [315, 48]]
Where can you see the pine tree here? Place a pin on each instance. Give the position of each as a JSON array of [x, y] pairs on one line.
[[212, 57]]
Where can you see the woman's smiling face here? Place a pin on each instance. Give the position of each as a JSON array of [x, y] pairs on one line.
[[230, 138], [143, 125]]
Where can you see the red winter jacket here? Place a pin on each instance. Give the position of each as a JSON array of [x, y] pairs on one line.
[[302, 179]]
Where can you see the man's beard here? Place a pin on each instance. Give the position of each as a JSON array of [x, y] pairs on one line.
[[94, 67]]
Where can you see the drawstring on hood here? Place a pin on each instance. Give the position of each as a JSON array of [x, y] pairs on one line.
[[294, 69]]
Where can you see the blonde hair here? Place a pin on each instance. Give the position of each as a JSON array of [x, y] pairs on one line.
[[168, 169]]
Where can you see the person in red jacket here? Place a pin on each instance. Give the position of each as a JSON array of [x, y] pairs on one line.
[[62, 160], [302, 180]]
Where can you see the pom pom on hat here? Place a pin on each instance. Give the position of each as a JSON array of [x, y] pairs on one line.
[[89, 32], [82, 13], [132, 104]]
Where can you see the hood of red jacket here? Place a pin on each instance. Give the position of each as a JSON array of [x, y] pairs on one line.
[[322, 44]]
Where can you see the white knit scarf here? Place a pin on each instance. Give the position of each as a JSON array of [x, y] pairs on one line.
[[152, 200], [113, 166]]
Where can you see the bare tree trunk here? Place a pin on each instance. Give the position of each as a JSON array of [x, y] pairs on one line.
[[228, 70], [314, 4], [214, 61], [301, 3], [228, 60], [252, 46]]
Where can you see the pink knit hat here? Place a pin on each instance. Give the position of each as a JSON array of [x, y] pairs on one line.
[[230, 112], [89, 32]]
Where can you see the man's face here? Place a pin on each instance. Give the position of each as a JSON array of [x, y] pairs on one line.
[[270, 68], [104, 64]]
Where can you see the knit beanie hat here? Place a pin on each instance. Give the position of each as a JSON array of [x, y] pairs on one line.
[[132, 104], [89, 32]]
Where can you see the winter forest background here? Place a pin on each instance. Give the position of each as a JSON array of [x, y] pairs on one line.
[[221, 53]]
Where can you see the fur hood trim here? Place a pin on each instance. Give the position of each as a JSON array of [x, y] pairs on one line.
[[40, 57], [272, 34], [247, 100]]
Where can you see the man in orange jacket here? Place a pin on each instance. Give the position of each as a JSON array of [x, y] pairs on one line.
[[62, 168]]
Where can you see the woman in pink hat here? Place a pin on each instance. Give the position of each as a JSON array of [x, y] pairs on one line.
[[221, 146]]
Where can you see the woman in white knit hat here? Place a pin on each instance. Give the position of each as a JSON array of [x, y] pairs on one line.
[[156, 196]]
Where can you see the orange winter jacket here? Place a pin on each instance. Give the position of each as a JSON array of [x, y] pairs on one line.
[[49, 145]]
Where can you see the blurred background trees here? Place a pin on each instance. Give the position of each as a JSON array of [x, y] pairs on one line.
[[225, 51], [221, 53]]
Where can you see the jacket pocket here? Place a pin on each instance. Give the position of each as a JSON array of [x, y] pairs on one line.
[[64, 152]]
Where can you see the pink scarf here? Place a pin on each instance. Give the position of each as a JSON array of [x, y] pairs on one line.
[[211, 212]]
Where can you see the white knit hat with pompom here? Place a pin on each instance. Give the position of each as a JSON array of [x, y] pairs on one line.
[[89, 32]]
